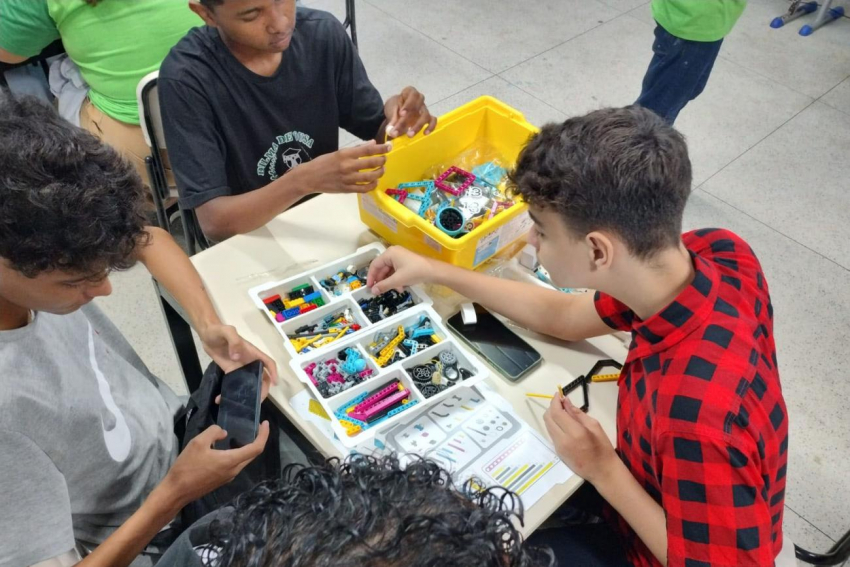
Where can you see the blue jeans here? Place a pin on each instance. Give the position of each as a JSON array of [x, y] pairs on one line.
[[677, 74]]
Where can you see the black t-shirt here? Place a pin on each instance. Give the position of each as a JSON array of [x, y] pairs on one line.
[[230, 131]]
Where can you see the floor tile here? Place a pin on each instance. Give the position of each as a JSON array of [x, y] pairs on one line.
[[818, 483], [536, 111], [736, 111], [811, 65], [802, 533], [499, 35], [422, 62], [811, 300], [395, 57], [839, 97], [796, 180], [603, 67], [625, 5], [643, 13]]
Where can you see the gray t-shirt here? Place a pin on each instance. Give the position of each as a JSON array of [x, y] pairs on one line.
[[86, 432]]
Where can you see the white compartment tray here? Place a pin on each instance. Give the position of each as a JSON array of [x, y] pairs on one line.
[[334, 404], [332, 303], [360, 340]]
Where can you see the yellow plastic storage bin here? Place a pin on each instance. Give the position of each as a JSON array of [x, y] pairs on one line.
[[485, 118]]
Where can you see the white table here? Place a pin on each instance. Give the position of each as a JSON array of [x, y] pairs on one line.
[[328, 227]]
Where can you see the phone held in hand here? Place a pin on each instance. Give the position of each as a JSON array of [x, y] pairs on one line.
[[502, 348], [239, 410]]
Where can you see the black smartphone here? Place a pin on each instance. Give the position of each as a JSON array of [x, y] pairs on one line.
[[501, 347], [239, 410]]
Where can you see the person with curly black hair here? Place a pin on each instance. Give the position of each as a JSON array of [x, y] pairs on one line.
[[88, 451], [362, 512]]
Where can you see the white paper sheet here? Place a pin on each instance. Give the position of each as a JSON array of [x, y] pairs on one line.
[[472, 433]]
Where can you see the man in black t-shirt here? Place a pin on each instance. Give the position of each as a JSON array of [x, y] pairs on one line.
[[252, 104]]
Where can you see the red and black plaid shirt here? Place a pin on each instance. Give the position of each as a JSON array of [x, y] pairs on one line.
[[701, 422]]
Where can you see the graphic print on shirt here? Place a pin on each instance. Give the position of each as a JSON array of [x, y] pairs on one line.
[[116, 433], [286, 152]]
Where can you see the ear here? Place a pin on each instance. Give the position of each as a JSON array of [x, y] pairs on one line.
[[600, 250], [203, 12]]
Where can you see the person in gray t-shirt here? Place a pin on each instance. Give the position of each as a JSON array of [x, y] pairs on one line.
[[87, 446]]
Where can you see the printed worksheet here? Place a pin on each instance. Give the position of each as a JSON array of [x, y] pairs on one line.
[[472, 433]]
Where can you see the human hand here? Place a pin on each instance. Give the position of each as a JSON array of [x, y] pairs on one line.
[[200, 469], [579, 440], [230, 351], [407, 112], [396, 268], [349, 170]]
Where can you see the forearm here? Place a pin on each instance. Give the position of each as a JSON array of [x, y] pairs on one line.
[[530, 306], [171, 267], [128, 541], [230, 215], [11, 58], [646, 517]]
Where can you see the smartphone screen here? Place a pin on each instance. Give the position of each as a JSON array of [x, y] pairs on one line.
[[511, 355], [239, 411]]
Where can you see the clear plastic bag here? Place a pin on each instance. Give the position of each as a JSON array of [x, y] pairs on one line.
[[463, 194]]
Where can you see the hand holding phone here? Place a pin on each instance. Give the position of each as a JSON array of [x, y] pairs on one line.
[[200, 468]]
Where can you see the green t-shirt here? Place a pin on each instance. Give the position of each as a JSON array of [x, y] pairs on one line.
[[114, 43], [698, 20]]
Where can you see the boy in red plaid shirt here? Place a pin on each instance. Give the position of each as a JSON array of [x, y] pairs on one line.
[[697, 477]]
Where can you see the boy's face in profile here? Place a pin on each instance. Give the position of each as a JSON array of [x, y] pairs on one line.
[[576, 260], [565, 257], [56, 292]]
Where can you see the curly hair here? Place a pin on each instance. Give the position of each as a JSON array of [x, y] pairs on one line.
[[67, 201], [621, 169], [368, 512]]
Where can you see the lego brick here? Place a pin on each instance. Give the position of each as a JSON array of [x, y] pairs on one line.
[[312, 297], [378, 407]]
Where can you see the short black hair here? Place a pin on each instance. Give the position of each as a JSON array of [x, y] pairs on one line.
[[370, 512], [621, 169], [211, 4], [67, 201]]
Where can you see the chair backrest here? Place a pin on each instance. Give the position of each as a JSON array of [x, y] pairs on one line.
[[150, 119], [150, 116]]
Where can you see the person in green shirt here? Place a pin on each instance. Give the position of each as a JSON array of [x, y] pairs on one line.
[[687, 40], [114, 43]]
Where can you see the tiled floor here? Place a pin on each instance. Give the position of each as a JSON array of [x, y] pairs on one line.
[[769, 139]]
